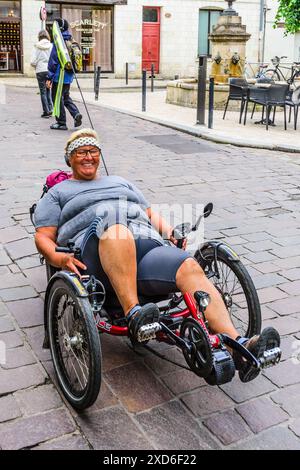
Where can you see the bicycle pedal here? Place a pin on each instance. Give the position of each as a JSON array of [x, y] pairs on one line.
[[147, 332], [270, 358]]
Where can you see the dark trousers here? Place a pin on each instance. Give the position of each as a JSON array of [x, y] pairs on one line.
[[45, 92], [66, 102]]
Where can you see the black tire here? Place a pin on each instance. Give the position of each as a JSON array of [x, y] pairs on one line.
[[79, 393], [245, 314], [272, 74]]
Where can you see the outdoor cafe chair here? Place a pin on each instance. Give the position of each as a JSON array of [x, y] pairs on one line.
[[273, 95], [237, 91], [293, 101]]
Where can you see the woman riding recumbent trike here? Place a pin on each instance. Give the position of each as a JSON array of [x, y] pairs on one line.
[[105, 280]]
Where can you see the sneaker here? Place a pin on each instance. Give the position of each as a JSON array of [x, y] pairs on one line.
[[45, 115], [140, 316], [268, 339], [60, 127], [78, 120]]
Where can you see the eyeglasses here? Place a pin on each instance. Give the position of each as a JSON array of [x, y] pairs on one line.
[[84, 153]]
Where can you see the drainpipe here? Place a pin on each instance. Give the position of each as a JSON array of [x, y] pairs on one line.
[[261, 31]]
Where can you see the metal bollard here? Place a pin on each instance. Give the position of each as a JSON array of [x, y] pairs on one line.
[[152, 77], [211, 102], [97, 83], [144, 88], [201, 90], [126, 73]]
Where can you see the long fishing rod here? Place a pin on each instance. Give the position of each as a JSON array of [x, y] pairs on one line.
[[64, 58], [87, 112]]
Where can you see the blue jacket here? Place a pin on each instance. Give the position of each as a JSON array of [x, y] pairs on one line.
[[54, 66]]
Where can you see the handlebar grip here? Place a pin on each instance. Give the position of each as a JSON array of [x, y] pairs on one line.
[[62, 249], [180, 243]]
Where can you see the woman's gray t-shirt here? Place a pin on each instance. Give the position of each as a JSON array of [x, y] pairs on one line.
[[73, 205]]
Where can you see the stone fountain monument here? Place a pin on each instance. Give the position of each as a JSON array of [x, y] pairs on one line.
[[228, 42]]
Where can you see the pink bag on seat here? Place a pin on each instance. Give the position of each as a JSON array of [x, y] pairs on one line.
[[57, 177]]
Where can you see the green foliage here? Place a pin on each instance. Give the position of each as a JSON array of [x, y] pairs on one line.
[[289, 12]]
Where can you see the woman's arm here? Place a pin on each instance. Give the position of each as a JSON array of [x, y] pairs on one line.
[[33, 61], [45, 240], [162, 226], [159, 223]]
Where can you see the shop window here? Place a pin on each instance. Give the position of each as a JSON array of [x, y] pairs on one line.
[[207, 20], [10, 37], [91, 27]]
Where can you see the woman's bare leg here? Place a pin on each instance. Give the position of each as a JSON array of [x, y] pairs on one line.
[[118, 258], [190, 277]]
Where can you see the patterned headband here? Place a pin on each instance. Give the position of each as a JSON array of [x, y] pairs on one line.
[[80, 142]]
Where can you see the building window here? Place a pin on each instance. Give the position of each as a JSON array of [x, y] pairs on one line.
[[150, 15], [207, 19], [92, 27], [10, 9], [10, 36]]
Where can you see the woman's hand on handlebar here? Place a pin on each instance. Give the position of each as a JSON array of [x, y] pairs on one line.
[[69, 263], [175, 241]]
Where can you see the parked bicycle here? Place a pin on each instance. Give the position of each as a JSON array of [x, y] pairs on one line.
[[255, 70], [277, 73]]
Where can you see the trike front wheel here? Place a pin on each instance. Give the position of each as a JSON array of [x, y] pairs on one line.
[[236, 287], [74, 344]]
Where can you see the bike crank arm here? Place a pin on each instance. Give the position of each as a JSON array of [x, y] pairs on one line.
[[232, 343], [179, 341], [270, 358]]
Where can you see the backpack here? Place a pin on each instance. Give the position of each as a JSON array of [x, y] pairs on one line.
[[51, 180], [75, 53]]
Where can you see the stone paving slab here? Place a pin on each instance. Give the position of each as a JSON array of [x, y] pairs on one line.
[[148, 391], [186, 433], [29, 431], [228, 426], [256, 197], [72, 442], [27, 313], [117, 430], [279, 438]]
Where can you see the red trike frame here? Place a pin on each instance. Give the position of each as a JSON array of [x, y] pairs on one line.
[[191, 310]]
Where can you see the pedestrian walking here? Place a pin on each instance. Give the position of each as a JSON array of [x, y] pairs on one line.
[[39, 60], [53, 79]]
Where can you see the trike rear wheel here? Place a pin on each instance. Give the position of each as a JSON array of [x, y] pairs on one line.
[[74, 344], [236, 287]]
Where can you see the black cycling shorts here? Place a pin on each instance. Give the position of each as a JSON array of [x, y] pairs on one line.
[[157, 264]]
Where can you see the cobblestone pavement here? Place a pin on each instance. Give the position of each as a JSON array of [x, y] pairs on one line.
[[146, 403]]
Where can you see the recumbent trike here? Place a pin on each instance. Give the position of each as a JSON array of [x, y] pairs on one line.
[[77, 311]]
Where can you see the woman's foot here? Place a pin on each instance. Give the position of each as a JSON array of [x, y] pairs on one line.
[[268, 339], [45, 115], [140, 316]]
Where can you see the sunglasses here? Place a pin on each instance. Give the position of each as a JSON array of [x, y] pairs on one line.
[[84, 153]]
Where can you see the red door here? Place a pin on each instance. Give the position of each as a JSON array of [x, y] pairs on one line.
[[151, 38]]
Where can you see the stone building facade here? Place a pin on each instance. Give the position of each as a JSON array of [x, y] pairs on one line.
[[168, 33]]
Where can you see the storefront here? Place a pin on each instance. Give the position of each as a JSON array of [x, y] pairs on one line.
[[10, 36], [92, 26]]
